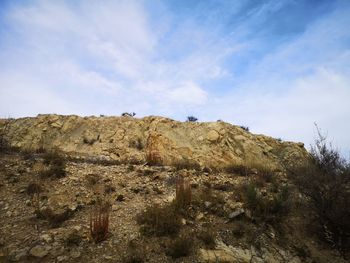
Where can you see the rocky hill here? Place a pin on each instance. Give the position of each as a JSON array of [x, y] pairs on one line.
[[209, 144], [128, 190]]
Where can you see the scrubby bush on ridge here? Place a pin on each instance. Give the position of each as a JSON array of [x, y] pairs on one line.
[[324, 179]]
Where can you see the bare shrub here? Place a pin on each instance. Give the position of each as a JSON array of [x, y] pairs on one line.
[[153, 158], [183, 193], [99, 221], [324, 179]]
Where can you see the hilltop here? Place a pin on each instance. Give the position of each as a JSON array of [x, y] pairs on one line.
[[208, 144]]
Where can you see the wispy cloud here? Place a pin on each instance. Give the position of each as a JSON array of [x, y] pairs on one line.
[[275, 66]]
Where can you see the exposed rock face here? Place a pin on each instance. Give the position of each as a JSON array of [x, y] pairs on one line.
[[118, 138]]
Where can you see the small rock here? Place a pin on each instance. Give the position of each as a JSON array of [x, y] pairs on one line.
[[213, 136], [62, 258], [236, 213], [77, 228], [46, 237], [207, 204], [18, 255], [75, 254], [199, 216], [39, 251]]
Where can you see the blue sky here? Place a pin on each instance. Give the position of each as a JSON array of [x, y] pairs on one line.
[[275, 66]]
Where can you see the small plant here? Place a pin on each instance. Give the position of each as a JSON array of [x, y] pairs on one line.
[[159, 221], [109, 189], [192, 119], [187, 164], [128, 114], [56, 165], [180, 246], [183, 193], [55, 218], [73, 239], [244, 128], [207, 235], [99, 221], [137, 144], [134, 253], [89, 141], [269, 209], [154, 158], [33, 188], [239, 169], [92, 179]]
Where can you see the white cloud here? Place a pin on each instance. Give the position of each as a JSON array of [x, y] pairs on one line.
[[109, 51]]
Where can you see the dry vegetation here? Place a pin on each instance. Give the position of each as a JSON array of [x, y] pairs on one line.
[[151, 213]]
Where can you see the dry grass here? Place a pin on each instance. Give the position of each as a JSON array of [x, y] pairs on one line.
[[208, 236], [159, 221], [153, 158], [186, 164], [183, 193], [180, 246], [99, 221]]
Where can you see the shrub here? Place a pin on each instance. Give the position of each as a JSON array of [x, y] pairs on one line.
[[239, 169], [159, 221], [134, 253], [206, 200], [137, 144], [180, 246], [192, 119], [55, 218], [183, 193], [186, 164], [73, 239], [264, 171], [56, 163], [89, 141], [154, 158], [99, 221], [207, 235], [265, 208], [33, 188], [325, 180], [128, 114]]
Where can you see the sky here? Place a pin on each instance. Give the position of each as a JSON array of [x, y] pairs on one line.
[[277, 67]]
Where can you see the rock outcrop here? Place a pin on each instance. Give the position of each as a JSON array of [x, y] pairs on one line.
[[211, 144]]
